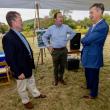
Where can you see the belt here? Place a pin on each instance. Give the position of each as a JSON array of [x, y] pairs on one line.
[[59, 48]]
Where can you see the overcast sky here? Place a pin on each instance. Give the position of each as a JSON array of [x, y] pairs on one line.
[[30, 13]]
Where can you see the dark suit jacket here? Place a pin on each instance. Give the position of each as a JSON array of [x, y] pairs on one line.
[[93, 42], [17, 55]]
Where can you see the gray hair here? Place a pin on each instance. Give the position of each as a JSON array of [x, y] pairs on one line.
[[99, 5], [11, 16]]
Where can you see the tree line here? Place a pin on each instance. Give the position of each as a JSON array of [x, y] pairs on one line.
[[47, 21]]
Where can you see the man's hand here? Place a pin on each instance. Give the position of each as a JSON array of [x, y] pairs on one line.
[[21, 77], [50, 49]]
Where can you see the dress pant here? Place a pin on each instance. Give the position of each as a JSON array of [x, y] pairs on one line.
[[92, 80], [23, 85], [59, 58]]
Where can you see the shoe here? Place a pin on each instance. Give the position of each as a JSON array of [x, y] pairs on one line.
[[29, 105], [88, 97], [63, 82], [41, 96]]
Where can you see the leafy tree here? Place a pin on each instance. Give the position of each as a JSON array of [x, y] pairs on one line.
[[70, 22], [86, 22], [66, 13], [45, 23], [107, 18], [3, 28], [48, 21], [52, 12]]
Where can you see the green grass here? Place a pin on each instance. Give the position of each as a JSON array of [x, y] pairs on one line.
[[61, 97]]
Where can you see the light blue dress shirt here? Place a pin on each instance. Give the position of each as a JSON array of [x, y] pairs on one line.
[[58, 36], [23, 40]]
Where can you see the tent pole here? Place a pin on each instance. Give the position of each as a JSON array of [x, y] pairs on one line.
[[34, 27], [38, 19], [38, 25]]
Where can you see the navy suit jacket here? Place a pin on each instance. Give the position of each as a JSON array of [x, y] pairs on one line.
[[93, 42], [17, 55]]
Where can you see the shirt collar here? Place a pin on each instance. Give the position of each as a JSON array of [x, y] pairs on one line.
[[93, 26], [98, 22], [58, 26], [18, 33]]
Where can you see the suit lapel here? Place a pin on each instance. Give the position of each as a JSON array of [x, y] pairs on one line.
[[89, 31], [98, 24], [27, 42], [17, 37]]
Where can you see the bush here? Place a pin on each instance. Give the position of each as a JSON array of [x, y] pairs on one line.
[[28, 33], [81, 30], [3, 29]]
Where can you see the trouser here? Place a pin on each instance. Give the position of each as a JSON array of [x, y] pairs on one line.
[[23, 85], [59, 58], [92, 80]]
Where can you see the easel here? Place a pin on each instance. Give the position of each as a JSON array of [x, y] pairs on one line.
[[37, 19], [41, 52]]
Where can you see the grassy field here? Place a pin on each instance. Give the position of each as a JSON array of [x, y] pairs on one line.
[[61, 97]]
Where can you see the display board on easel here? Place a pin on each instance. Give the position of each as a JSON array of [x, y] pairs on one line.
[[39, 34]]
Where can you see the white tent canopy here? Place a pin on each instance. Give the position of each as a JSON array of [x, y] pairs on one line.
[[56, 4]]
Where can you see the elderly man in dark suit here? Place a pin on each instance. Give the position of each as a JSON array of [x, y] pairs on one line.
[[19, 57]]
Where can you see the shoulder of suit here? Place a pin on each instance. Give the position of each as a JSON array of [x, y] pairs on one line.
[[106, 23], [103, 24], [9, 35], [6, 35]]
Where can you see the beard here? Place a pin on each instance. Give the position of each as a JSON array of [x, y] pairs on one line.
[[58, 22]]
